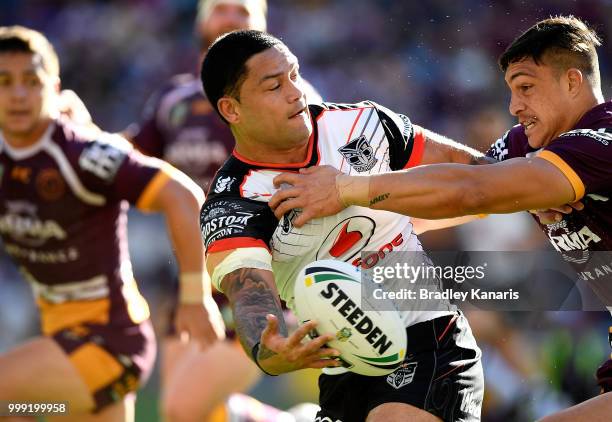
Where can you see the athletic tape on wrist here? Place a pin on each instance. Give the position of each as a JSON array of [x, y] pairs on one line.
[[258, 258], [353, 190], [192, 286]]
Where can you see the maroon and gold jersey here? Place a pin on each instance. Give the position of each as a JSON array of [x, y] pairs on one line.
[[63, 205], [181, 127], [584, 155]]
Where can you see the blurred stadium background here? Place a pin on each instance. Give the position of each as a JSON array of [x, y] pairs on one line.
[[433, 60]]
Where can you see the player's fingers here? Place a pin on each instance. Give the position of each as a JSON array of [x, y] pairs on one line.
[[323, 363], [286, 177], [304, 217], [287, 205], [327, 352], [282, 195], [296, 338], [565, 209], [313, 346], [549, 217], [578, 205], [271, 328]]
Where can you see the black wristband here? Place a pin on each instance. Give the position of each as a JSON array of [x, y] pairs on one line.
[[254, 353]]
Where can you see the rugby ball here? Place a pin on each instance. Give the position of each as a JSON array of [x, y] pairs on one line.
[[371, 342]]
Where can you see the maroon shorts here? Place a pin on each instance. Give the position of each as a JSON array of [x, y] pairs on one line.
[[113, 361]]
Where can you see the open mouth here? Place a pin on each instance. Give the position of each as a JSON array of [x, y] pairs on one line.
[[529, 123]]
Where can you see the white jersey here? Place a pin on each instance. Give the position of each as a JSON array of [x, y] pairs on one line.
[[362, 138]]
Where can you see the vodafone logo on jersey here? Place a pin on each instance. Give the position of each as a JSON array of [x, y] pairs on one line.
[[347, 238]]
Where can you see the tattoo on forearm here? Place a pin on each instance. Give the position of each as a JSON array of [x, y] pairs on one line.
[[251, 299], [379, 198]]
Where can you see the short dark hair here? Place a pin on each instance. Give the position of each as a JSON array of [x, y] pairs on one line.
[[563, 41], [19, 39], [224, 66]]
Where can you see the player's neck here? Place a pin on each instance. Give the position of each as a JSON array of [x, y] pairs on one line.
[[259, 153], [587, 102], [27, 139]]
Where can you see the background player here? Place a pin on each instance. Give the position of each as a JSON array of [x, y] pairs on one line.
[[180, 126], [62, 210]]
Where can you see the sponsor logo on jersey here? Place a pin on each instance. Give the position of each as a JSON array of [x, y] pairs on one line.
[[50, 184], [471, 405], [574, 241], [225, 225], [104, 157], [359, 154], [372, 259], [196, 151], [356, 317], [602, 135], [596, 197], [21, 174], [347, 238], [224, 184], [499, 149], [403, 375], [21, 223], [407, 130]]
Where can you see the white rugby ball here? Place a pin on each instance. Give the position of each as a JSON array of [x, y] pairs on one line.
[[371, 343]]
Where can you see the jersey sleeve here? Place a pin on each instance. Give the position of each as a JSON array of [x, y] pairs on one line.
[[585, 158], [512, 144], [112, 167], [406, 141], [147, 135], [231, 222]]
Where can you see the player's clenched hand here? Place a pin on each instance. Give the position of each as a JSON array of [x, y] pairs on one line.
[[313, 191], [554, 215], [200, 322], [278, 354]]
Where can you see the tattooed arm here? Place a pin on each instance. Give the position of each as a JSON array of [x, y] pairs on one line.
[[260, 325]]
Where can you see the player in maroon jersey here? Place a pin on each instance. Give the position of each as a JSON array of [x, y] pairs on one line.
[[64, 191], [560, 152], [180, 126]]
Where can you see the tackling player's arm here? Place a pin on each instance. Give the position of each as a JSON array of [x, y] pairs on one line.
[[258, 317], [431, 192], [439, 149]]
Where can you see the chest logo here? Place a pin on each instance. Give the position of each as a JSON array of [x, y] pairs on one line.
[[347, 239], [50, 184], [359, 154]]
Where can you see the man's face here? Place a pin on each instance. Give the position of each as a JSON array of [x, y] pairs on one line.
[[224, 18], [539, 98], [26, 91], [272, 104]]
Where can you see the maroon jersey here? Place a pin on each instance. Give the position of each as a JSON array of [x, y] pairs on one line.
[[181, 127], [63, 208], [584, 155]]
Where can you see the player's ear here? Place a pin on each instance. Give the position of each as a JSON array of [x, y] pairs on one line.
[[575, 78], [229, 108]]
